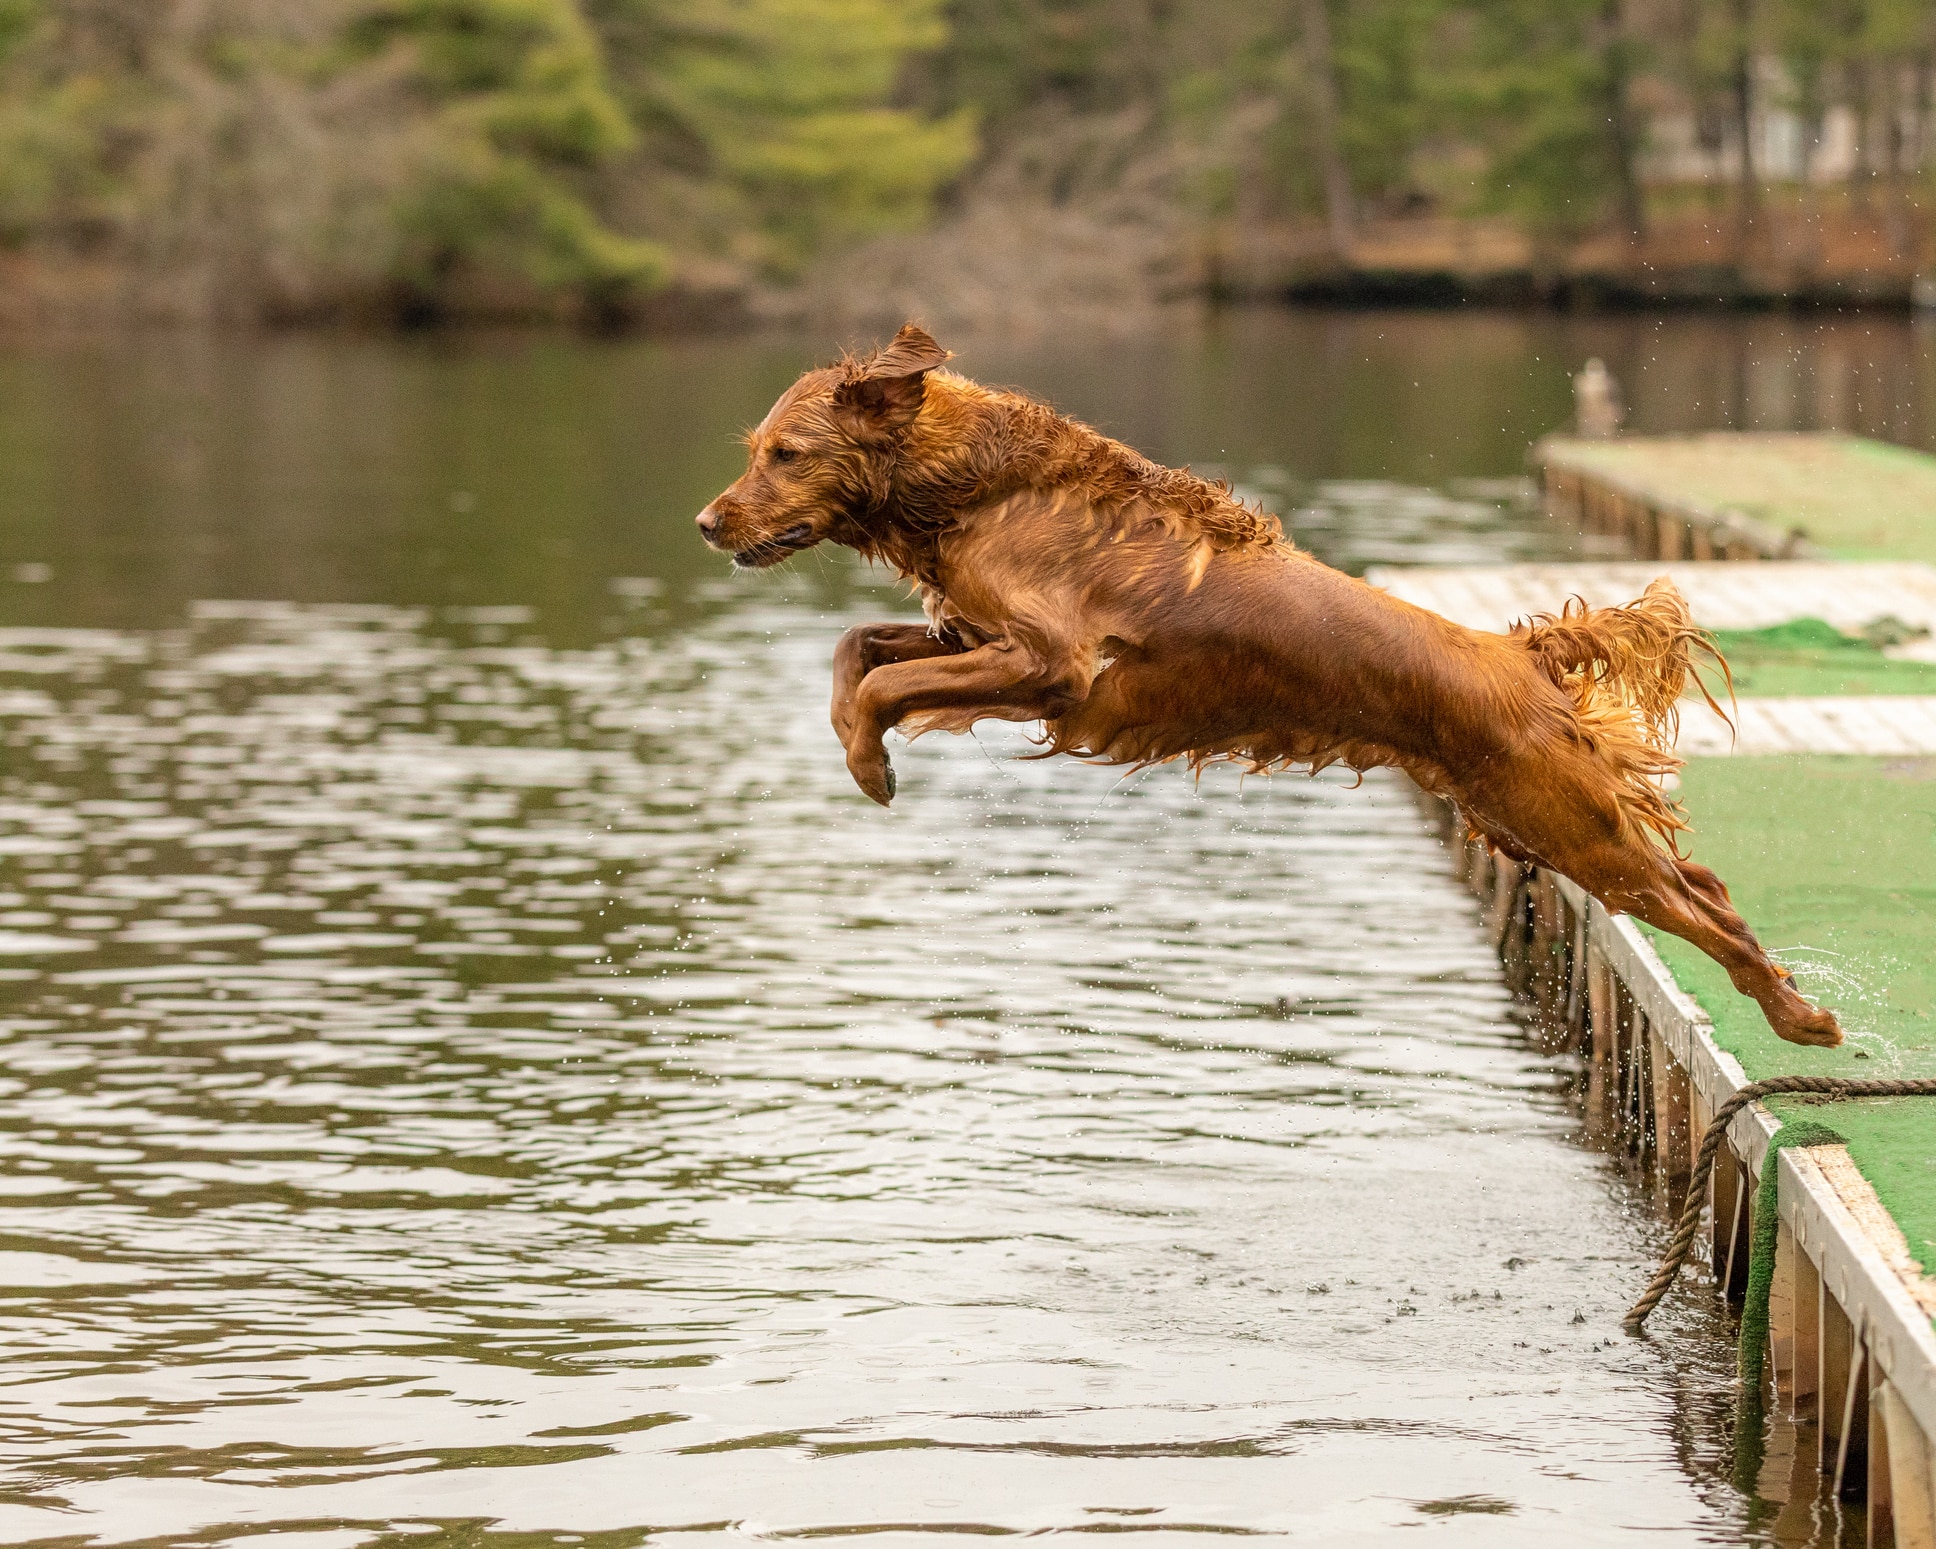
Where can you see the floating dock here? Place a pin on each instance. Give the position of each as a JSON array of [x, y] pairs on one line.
[[1821, 815], [1736, 496]]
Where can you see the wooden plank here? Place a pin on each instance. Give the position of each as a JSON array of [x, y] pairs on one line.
[[1912, 1500], [1849, 596], [1885, 726]]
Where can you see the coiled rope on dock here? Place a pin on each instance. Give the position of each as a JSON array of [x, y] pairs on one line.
[[1833, 1087]]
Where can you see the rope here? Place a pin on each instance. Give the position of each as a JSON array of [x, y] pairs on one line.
[[1832, 1087]]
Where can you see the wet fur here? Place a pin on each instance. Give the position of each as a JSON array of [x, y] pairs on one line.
[[1144, 614]]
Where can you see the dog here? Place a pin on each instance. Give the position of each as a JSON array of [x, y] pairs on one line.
[[1142, 614]]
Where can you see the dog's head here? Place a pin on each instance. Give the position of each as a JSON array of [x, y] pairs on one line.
[[822, 454]]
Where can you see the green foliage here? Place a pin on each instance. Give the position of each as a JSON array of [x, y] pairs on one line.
[[16, 17], [1541, 88], [468, 152], [546, 154], [1390, 97], [520, 98], [1006, 55], [787, 106], [56, 167]]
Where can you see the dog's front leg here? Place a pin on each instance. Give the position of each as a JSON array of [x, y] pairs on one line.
[[1006, 680], [867, 646]]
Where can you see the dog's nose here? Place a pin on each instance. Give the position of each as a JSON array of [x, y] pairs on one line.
[[708, 521]]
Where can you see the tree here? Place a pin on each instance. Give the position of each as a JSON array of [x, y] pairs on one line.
[[1321, 72], [787, 106], [518, 104], [1546, 89]]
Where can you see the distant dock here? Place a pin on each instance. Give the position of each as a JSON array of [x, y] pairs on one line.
[[1821, 815], [1740, 496]]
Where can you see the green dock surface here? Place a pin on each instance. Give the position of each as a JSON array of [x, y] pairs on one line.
[[1833, 862], [1853, 498], [1807, 658]]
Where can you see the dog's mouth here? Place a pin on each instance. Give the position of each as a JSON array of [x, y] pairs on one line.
[[770, 551]]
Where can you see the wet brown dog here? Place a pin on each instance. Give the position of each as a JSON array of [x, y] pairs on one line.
[[1142, 614]]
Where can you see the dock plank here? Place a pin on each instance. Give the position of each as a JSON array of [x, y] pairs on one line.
[[1898, 727], [1850, 596]]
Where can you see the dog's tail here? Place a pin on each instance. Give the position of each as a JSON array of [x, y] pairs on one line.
[[1625, 669]]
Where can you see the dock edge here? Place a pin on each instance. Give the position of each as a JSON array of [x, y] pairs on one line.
[[1851, 1344], [1658, 526]]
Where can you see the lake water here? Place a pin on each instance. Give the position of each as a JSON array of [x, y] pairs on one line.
[[474, 1072]]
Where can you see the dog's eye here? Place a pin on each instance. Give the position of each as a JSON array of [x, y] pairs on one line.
[[784, 454]]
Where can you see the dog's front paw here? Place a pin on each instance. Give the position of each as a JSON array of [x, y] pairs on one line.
[[873, 775]]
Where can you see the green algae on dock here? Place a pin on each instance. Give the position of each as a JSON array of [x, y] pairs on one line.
[[1738, 495]]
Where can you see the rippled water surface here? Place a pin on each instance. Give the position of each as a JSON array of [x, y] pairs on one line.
[[473, 1071]]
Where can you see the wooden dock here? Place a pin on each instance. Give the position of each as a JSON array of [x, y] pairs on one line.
[[1852, 1350], [1824, 845], [1739, 496]]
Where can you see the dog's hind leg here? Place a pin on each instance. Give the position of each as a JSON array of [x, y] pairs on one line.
[[1558, 811], [1690, 901]]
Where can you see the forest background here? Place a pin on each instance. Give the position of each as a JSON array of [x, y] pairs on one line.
[[659, 162]]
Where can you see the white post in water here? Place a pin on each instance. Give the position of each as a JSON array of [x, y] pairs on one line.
[[1596, 401]]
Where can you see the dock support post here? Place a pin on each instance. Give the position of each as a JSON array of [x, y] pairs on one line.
[[1734, 1272], [1637, 1108], [1837, 1365], [1881, 1498], [1805, 1297], [1672, 1147], [1671, 528], [1602, 1082], [1781, 1316], [1724, 1208], [1852, 1441]]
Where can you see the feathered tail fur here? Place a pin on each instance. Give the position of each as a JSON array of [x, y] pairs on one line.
[[1625, 669]]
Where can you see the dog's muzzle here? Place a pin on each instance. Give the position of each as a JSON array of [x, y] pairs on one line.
[[771, 550]]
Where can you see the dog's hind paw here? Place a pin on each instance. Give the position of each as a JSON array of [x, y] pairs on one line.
[[1816, 1025]]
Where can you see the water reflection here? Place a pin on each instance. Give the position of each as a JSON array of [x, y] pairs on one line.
[[475, 1071]]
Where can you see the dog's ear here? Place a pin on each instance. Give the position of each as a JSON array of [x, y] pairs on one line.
[[883, 393]]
